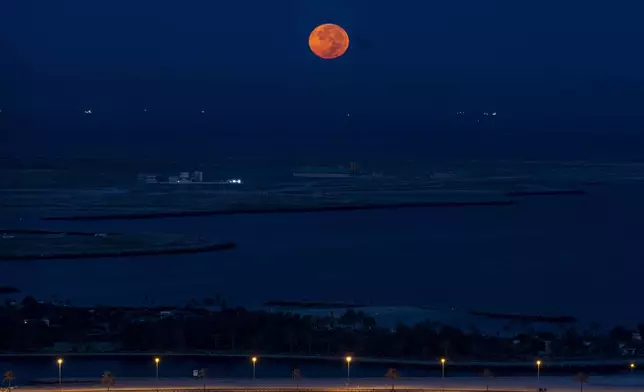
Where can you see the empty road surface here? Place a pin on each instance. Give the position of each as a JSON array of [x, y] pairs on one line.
[[627, 383]]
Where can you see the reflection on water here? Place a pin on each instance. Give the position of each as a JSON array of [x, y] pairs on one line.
[[578, 255]]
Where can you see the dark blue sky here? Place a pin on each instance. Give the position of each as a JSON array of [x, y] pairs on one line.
[[547, 67]]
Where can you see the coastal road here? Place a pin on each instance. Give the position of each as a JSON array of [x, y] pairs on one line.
[[629, 383]]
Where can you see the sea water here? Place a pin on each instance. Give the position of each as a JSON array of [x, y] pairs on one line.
[[575, 255]]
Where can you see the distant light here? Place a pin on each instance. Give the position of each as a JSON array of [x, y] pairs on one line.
[[485, 113], [88, 111], [494, 113], [348, 359], [60, 361], [202, 112], [157, 360], [443, 360], [254, 359], [145, 110]]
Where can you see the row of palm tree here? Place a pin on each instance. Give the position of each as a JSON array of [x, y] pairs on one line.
[[7, 380], [108, 379]]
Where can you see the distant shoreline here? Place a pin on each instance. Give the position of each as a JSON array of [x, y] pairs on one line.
[[312, 304], [52, 232], [9, 290], [279, 210], [115, 254], [563, 192]]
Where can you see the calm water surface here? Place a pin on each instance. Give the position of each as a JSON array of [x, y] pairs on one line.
[[579, 255]]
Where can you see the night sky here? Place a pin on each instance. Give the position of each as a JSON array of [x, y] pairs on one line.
[[566, 78], [551, 69]]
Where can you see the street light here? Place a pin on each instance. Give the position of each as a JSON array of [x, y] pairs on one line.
[[538, 370], [443, 360], [254, 361], [632, 366], [156, 363], [59, 361], [348, 360]]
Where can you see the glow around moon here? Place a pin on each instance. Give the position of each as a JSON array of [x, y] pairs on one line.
[[329, 41]]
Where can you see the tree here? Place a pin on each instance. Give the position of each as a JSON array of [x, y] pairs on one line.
[[582, 378], [487, 374], [349, 319], [29, 302], [369, 323], [8, 378], [108, 379], [201, 374], [392, 373], [621, 334], [640, 328], [296, 376]]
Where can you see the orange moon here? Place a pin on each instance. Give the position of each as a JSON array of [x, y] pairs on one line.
[[329, 41]]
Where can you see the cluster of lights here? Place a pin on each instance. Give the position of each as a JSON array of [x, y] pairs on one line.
[[235, 181]]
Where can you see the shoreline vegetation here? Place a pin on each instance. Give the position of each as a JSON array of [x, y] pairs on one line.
[[321, 305], [37, 244], [280, 210], [209, 327]]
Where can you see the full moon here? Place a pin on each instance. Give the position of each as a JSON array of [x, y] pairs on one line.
[[329, 41]]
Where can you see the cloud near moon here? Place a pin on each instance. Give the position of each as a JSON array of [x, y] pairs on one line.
[[329, 41]]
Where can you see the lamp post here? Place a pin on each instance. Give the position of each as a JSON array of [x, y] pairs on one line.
[[348, 360], [254, 361], [59, 361], [443, 360], [538, 371], [156, 364]]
